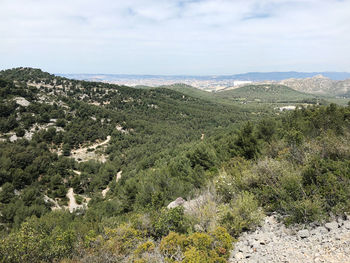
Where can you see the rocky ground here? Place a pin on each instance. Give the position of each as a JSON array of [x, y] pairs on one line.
[[89, 153], [273, 242]]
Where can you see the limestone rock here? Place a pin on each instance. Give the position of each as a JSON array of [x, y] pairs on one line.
[[176, 203], [303, 233], [331, 226], [273, 243]]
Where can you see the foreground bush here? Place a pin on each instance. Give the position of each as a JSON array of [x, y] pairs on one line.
[[243, 213], [30, 244], [197, 247]]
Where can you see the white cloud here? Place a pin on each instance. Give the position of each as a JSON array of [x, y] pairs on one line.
[[174, 37]]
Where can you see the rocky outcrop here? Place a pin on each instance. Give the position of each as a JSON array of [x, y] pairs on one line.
[[179, 201], [187, 205], [273, 242], [319, 85]]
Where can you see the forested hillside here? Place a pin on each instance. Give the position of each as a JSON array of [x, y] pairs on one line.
[[88, 169], [266, 93]]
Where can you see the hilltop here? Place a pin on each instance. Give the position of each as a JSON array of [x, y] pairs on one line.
[[320, 85]]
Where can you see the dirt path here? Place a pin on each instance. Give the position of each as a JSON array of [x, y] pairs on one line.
[[72, 203], [55, 206], [105, 191], [117, 178]]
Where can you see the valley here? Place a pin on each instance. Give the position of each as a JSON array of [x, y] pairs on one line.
[[96, 172]]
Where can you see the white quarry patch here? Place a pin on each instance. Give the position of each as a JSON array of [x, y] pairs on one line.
[[22, 101], [286, 108]]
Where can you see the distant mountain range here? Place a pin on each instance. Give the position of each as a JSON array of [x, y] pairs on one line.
[[251, 76], [263, 76]]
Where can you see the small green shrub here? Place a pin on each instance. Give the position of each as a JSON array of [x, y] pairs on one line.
[[304, 210], [173, 245], [198, 247], [171, 220], [242, 214], [79, 199]]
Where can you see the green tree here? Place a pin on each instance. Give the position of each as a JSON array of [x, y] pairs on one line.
[[246, 143], [7, 192], [66, 148]]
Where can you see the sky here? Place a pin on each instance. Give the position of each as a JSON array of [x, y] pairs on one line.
[[190, 37]]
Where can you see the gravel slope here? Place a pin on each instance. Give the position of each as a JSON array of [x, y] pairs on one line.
[[273, 242]]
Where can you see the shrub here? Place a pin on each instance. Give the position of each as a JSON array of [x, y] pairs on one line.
[[246, 143], [304, 210], [330, 180], [202, 155], [222, 241], [173, 245], [234, 177], [200, 241], [79, 199], [122, 240], [20, 132], [147, 246], [171, 220], [7, 193], [198, 247], [242, 214], [32, 244]]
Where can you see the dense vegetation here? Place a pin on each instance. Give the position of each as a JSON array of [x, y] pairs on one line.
[[168, 145], [263, 94], [267, 93]]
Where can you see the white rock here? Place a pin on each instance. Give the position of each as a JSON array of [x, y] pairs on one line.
[[239, 255], [331, 226], [22, 101], [303, 233], [176, 203], [347, 224]]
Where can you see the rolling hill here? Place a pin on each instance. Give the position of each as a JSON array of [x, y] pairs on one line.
[[265, 93]]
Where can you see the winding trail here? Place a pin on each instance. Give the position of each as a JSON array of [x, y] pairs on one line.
[[54, 202], [72, 203], [117, 178], [105, 191]]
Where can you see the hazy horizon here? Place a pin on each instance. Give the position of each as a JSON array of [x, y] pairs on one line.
[[204, 75]]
